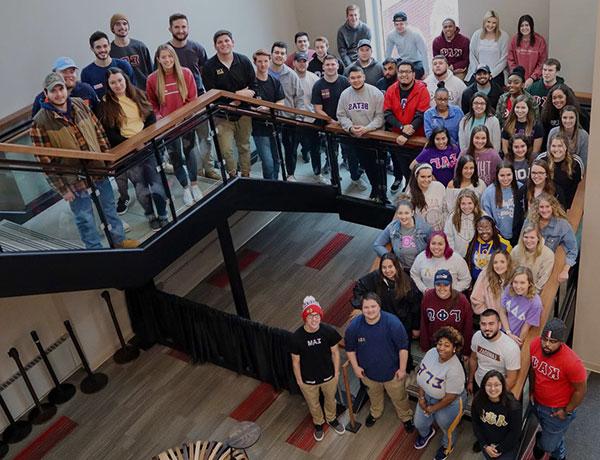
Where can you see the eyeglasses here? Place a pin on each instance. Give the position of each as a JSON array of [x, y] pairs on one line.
[[405, 72]]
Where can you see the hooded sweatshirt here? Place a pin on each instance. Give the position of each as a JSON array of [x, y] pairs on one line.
[[348, 38], [530, 57], [373, 71], [539, 91], [410, 46], [292, 87], [455, 50]]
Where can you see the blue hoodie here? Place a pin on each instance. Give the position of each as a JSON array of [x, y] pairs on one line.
[[391, 235]]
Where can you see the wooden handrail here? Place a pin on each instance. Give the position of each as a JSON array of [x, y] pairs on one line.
[[19, 116], [550, 291], [584, 97], [180, 115]]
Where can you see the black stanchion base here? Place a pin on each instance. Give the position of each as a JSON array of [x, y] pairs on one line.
[[353, 429], [93, 383], [126, 354], [3, 449], [62, 393], [16, 432], [37, 416]]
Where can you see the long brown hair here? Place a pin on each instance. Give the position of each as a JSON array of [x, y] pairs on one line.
[[417, 197], [457, 215], [110, 112], [505, 164], [567, 165], [162, 76], [401, 280], [549, 186], [511, 122], [495, 282]]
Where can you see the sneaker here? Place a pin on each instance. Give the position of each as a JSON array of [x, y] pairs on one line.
[[122, 205], [127, 244], [396, 185], [188, 199], [196, 193], [441, 454], [168, 168], [318, 433], [163, 221], [409, 426], [126, 226], [321, 180], [358, 184], [212, 174], [337, 426], [370, 421], [422, 441], [477, 447], [154, 224], [291, 178]]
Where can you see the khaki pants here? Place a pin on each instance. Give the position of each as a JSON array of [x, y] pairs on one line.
[[396, 391], [311, 394], [239, 131]]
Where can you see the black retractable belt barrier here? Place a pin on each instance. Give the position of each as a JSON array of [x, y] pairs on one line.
[[41, 413], [127, 352], [16, 430], [62, 392], [93, 382]]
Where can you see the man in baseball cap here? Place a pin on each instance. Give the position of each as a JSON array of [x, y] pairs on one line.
[[373, 69], [483, 84], [66, 67], [557, 388], [316, 363], [409, 44]]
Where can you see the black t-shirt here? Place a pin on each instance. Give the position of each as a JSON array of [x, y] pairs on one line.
[[193, 56], [314, 349], [316, 66], [269, 90], [537, 133], [137, 54], [328, 94]]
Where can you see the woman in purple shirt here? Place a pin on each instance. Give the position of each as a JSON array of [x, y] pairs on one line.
[[441, 154]]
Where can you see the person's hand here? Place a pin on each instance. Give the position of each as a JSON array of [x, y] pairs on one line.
[[401, 140], [359, 372], [422, 404], [69, 196], [358, 131], [516, 338], [491, 451], [245, 92], [559, 414], [416, 334], [563, 276], [400, 374], [409, 130], [528, 82], [428, 410], [262, 108], [470, 387]]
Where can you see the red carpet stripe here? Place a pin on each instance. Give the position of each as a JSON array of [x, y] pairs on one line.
[[528, 454], [255, 404], [245, 258], [179, 355], [329, 251], [302, 437], [338, 313], [400, 445], [46, 441]]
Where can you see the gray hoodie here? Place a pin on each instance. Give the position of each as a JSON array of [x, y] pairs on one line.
[[363, 107], [373, 72], [348, 38]]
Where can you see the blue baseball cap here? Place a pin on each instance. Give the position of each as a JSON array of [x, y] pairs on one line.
[[443, 277], [63, 63]]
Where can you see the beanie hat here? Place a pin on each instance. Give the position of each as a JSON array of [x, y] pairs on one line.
[[519, 71], [556, 329], [117, 17], [310, 306]]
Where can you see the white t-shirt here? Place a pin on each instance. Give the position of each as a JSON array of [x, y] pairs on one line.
[[502, 354], [437, 378]]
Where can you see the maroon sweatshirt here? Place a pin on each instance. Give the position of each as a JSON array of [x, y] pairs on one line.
[[437, 313], [456, 51]]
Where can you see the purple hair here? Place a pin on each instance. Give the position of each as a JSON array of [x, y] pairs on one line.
[[447, 251]]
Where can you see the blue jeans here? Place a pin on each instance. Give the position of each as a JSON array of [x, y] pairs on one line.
[[266, 147], [552, 439], [83, 208], [185, 143], [447, 419]]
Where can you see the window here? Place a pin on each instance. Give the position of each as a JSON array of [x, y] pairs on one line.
[[425, 15]]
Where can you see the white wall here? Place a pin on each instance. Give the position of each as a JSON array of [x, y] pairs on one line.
[[34, 32], [573, 38]]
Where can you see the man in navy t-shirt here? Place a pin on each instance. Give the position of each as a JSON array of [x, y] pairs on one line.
[[377, 347], [95, 73]]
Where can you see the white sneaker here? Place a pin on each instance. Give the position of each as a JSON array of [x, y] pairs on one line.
[[358, 184], [321, 180], [168, 168], [291, 179], [196, 193], [188, 199], [126, 227]]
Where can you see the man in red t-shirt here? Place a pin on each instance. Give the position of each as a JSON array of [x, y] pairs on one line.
[[557, 387]]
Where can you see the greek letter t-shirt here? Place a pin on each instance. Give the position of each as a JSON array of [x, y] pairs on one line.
[[314, 349], [437, 378]]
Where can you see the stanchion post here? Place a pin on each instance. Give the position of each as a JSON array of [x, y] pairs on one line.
[[126, 353], [354, 425], [17, 430]]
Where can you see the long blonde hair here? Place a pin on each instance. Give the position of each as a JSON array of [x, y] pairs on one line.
[[531, 291], [490, 14], [520, 251], [567, 166], [162, 76], [495, 282], [557, 209]]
